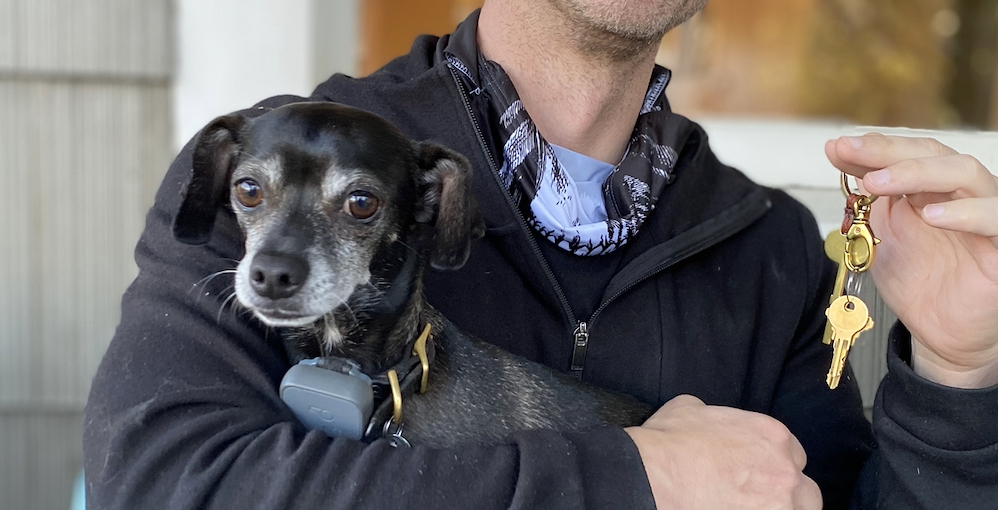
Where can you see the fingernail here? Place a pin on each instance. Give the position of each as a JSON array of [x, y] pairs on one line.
[[855, 141], [878, 178], [934, 210]]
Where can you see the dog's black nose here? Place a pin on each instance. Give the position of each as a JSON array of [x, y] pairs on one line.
[[277, 276]]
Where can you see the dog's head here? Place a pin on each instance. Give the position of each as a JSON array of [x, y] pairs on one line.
[[334, 202]]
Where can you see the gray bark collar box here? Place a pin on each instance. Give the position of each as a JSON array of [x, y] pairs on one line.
[[338, 404]]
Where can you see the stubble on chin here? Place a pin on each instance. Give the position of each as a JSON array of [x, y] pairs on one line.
[[608, 30]]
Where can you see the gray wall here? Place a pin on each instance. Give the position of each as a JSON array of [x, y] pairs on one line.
[[84, 139]]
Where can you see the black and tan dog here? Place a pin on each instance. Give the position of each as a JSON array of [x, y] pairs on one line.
[[341, 214]]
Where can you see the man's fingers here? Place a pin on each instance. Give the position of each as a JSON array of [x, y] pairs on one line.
[[962, 175], [808, 495], [856, 155], [972, 215], [832, 152]]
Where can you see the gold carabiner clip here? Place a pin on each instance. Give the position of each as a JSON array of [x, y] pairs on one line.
[[864, 199], [861, 245]]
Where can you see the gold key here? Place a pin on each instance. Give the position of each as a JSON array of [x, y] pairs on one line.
[[848, 317], [835, 249], [853, 249]]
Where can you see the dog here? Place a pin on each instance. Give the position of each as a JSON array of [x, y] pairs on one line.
[[342, 214]]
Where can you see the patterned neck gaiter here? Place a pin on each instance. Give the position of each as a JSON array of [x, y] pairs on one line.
[[545, 191]]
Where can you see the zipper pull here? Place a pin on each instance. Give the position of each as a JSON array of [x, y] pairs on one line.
[[579, 353]]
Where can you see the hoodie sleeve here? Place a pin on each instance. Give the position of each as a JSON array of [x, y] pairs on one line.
[[937, 445], [184, 412]]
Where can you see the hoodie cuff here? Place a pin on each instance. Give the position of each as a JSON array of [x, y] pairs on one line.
[[613, 475], [944, 417]]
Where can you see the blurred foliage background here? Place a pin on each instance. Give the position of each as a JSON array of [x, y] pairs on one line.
[[883, 62], [912, 63]]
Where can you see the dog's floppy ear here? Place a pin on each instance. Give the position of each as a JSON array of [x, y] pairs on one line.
[[215, 153], [447, 203]]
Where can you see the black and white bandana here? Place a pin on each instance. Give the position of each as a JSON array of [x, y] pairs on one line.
[[546, 192]]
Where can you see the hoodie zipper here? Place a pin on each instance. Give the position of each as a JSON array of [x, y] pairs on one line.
[[693, 246], [509, 200]]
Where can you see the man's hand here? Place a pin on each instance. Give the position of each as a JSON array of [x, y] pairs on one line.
[[937, 267], [700, 456]]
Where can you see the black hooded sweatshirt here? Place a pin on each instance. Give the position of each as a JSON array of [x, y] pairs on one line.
[[720, 295]]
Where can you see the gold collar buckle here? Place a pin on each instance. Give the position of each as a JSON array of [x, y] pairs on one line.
[[419, 349]]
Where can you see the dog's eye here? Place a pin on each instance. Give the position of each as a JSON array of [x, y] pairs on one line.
[[248, 193], [361, 205]]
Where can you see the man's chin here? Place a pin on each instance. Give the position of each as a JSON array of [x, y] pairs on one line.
[[281, 319]]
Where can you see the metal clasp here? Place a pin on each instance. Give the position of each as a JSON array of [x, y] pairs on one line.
[[394, 434], [419, 349], [861, 245], [865, 199], [393, 380], [393, 427]]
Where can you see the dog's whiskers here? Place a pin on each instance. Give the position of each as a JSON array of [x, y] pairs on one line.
[[237, 307], [379, 287], [204, 282], [227, 301], [207, 279], [403, 243]]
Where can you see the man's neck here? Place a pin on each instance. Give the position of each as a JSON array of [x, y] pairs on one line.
[[585, 101]]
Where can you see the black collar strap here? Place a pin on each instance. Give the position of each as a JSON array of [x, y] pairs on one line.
[[411, 374]]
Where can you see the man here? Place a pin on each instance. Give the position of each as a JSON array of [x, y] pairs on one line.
[[716, 288]]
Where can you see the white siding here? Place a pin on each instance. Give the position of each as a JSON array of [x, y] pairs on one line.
[[84, 141], [234, 53]]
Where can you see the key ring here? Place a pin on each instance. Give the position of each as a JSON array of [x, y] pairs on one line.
[[394, 434], [864, 200], [853, 284]]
